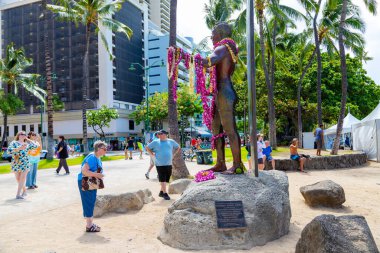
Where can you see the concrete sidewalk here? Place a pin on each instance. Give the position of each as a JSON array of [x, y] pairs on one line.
[[56, 191]]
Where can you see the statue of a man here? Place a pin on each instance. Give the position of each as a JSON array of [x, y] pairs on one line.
[[224, 58]]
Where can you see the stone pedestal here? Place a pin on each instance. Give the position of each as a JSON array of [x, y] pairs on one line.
[[191, 220]]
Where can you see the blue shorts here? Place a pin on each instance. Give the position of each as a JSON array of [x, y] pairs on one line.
[[295, 157], [269, 158], [130, 149]]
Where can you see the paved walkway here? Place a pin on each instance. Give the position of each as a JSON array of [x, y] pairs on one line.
[[50, 219]]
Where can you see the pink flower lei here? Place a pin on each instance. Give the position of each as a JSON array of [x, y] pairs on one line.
[[175, 55], [204, 175], [214, 138]]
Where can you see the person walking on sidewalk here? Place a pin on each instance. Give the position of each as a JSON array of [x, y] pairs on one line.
[[129, 148], [162, 150], [62, 155], [319, 139], [34, 159], [151, 165], [19, 149]]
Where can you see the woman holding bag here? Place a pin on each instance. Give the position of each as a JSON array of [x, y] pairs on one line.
[[90, 167]]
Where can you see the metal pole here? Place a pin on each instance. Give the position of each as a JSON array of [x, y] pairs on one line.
[[147, 94], [252, 84], [42, 125]]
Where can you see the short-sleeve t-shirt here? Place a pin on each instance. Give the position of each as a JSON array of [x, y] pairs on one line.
[[93, 162], [260, 147], [163, 151], [267, 151], [130, 143], [318, 134], [63, 154]]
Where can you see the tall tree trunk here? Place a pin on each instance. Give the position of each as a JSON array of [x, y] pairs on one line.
[[86, 80], [5, 121], [299, 107], [271, 109], [49, 86], [273, 60], [319, 61], [343, 69], [7, 89], [179, 165]]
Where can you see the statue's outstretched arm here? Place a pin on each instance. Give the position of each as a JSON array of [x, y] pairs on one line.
[[218, 54]]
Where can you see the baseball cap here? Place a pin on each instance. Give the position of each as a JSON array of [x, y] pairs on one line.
[[162, 131]]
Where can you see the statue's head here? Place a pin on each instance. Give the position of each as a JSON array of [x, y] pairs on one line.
[[221, 31]]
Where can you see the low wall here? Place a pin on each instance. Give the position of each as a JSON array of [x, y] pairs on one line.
[[322, 162]]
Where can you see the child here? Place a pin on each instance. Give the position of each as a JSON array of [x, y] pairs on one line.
[[267, 151], [140, 148], [260, 155], [295, 156]]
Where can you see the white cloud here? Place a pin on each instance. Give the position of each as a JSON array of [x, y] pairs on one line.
[[191, 23]]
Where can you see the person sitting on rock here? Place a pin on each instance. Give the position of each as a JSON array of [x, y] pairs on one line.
[[297, 157]]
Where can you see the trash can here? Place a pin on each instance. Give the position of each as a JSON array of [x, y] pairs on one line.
[[207, 157], [200, 158]]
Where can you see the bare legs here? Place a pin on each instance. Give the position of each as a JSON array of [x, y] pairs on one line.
[[21, 178], [163, 187], [302, 162]]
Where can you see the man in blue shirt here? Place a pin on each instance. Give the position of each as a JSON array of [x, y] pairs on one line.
[[319, 139], [162, 151]]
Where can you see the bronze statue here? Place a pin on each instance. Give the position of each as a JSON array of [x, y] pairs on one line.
[[224, 58]]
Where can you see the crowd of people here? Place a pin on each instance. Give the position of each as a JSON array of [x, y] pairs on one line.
[[25, 151]]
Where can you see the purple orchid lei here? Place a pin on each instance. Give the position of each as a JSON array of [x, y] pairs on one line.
[[204, 175]]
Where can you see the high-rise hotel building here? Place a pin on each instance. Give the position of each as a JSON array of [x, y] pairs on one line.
[[111, 81]]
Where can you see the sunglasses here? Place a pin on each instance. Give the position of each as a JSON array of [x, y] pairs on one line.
[[22, 134]]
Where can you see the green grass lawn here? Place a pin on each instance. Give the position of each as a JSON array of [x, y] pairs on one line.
[[49, 164]]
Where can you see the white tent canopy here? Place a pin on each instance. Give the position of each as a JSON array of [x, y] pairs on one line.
[[348, 121], [329, 134], [367, 135]]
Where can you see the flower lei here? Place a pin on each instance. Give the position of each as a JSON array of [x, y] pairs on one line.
[[175, 55], [214, 138], [204, 175]]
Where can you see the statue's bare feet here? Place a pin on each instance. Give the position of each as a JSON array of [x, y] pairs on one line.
[[235, 169], [219, 168]]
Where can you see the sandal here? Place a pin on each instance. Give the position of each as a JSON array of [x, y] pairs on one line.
[[93, 229]]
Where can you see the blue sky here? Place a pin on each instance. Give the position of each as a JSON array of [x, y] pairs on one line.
[[191, 23]]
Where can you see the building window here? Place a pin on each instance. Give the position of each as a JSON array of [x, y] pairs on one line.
[[154, 57], [154, 84], [31, 127], [154, 39], [154, 75], [154, 48], [131, 125], [1, 132], [39, 128], [7, 130], [23, 127], [15, 130]]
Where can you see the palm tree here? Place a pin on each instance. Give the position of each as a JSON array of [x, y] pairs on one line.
[[49, 83], [372, 7], [93, 15], [12, 74], [179, 165]]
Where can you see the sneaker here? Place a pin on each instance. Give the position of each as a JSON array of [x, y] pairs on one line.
[[24, 194], [19, 197], [67, 173], [130, 158], [31, 187], [147, 175], [166, 196], [35, 186], [161, 194], [56, 171]]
